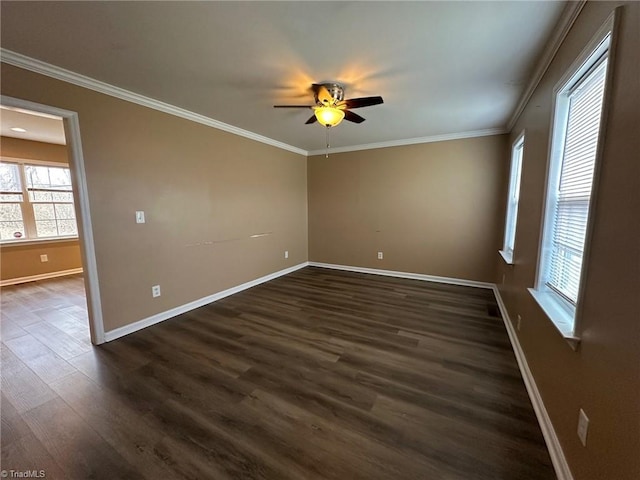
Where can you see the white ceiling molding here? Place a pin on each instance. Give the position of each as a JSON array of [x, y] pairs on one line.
[[38, 66], [569, 16], [413, 141]]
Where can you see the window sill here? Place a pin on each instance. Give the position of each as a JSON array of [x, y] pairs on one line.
[[560, 318], [506, 256], [40, 241]]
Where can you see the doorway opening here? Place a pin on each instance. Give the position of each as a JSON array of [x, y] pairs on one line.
[[45, 203]]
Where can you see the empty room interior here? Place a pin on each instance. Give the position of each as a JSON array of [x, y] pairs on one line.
[[320, 240]]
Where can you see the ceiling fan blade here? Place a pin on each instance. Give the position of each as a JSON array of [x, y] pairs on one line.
[[293, 106], [322, 93], [353, 117], [362, 102], [311, 120]]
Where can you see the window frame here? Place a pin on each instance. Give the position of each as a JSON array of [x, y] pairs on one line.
[[564, 316], [511, 218], [28, 215]]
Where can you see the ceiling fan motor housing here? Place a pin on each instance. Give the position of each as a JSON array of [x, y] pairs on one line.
[[336, 92]]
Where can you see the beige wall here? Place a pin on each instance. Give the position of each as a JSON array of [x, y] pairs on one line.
[[19, 148], [204, 192], [24, 260], [603, 376], [433, 208]]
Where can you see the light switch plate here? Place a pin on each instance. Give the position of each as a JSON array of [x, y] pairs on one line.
[[140, 216]]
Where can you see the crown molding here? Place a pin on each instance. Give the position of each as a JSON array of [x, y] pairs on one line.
[[38, 66], [53, 71], [567, 19], [413, 141]]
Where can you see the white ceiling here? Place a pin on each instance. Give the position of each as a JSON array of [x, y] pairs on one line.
[[443, 68], [39, 127]]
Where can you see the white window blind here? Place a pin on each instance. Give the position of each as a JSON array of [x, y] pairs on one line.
[[573, 195]]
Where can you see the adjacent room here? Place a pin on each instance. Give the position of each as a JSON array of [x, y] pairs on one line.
[[320, 240]]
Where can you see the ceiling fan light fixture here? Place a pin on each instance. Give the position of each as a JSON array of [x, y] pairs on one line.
[[329, 116]]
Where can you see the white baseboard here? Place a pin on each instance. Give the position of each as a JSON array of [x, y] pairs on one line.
[[553, 444], [41, 276], [558, 459], [162, 316], [412, 276]]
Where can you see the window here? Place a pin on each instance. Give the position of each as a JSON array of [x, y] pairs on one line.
[[36, 202], [11, 200], [512, 200], [576, 128]]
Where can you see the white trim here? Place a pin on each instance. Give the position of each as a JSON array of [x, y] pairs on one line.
[[560, 317], [553, 444], [569, 16], [167, 314], [413, 141], [37, 241], [38, 66], [548, 432], [53, 71], [603, 42], [81, 200], [511, 213], [85, 228], [409, 275], [506, 256], [33, 161], [40, 276]]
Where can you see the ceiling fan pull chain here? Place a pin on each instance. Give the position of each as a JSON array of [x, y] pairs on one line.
[[326, 155]]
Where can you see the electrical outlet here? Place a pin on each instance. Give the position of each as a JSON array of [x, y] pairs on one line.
[[519, 322], [155, 291], [140, 217], [583, 427], [286, 254], [380, 256], [44, 258]]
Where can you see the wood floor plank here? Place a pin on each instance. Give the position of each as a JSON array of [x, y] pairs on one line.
[[319, 374], [69, 320], [473, 452], [60, 342], [10, 329], [39, 358], [28, 454], [13, 426], [342, 451], [132, 435], [21, 386], [75, 446]]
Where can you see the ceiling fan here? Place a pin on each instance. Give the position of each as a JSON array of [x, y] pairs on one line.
[[331, 107]]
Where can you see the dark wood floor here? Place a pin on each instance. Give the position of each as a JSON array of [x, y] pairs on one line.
[[317, 375]]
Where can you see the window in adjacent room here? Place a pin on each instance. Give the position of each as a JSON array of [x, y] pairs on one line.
[[36, 202], [512, 200], [570, 178]]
